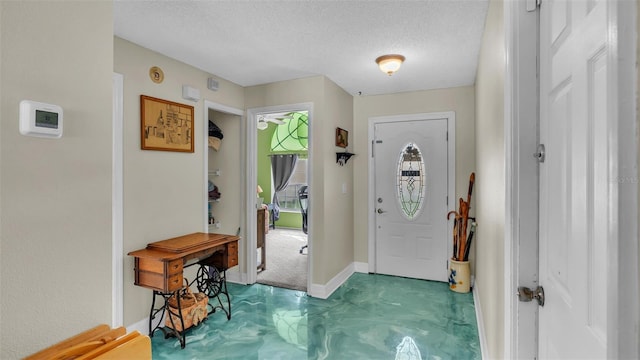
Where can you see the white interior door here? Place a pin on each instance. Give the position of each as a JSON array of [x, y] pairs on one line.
[[574, 195], [410, 161]]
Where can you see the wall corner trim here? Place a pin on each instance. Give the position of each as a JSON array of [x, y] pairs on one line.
[[480, 321], [324, 291]]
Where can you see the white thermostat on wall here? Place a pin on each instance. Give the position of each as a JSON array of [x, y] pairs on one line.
[[40, 119]]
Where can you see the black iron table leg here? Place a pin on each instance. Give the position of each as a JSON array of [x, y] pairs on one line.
[[213, 282], [152, 315], [166, 310]]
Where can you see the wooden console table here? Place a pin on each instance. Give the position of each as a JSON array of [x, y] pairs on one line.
[[160, 266]]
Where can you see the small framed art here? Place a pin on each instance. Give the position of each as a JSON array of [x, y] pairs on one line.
[[165, 125], [342, 138]]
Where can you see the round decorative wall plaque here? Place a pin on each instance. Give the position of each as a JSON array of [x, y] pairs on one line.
[[156, 74]]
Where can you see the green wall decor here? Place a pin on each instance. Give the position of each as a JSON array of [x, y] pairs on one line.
[[293, 135]]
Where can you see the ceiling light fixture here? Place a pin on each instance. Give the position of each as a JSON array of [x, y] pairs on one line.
[[278, 119], [390, 63], [262, 125]]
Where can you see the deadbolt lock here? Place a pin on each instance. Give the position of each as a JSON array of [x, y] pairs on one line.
[[540, 153], [525, 294]]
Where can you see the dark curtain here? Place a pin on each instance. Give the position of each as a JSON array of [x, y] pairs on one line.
[[281, 167]]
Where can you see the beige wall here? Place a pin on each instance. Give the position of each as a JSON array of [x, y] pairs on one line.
[[55, 195], [337, 247], [490, 181], [332, 107], [163, 191], [459, 100]]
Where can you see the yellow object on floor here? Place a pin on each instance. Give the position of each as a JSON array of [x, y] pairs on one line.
[[100, 342]]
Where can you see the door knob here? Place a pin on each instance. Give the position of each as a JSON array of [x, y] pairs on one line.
[[380, 211]]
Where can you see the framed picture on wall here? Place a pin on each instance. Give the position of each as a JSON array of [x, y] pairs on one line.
[[342, 138], [165, 125]]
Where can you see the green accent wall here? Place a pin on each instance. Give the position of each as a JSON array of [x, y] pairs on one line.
[[289, 220], [264, 164]]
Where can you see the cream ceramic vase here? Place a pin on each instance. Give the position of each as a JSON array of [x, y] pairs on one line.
[[459, 276]]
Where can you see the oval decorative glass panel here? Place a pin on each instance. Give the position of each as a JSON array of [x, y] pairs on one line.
[[410, 184]]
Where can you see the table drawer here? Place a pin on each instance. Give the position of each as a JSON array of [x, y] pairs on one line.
[[159, 282], [232, 255], [160, 267], [174, 267], [222, 262]]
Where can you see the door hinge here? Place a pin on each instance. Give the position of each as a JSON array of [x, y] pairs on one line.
[[533, 5], [447, 136]]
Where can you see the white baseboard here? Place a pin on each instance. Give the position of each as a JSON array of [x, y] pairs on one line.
[[235, 276], [324, 291], [361, 267], [482, 336], [142, 326]]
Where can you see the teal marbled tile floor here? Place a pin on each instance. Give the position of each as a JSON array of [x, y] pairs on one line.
[[368, 317]]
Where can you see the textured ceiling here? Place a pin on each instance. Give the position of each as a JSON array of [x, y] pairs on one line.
[[258, 42]]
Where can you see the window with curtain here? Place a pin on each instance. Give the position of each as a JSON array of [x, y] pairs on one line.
[[288, 197], [292, 138]]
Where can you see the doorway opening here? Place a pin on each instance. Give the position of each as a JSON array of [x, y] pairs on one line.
[[281, 173], [282, 167]]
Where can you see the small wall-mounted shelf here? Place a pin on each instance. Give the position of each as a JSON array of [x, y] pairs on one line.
[[343, 157]]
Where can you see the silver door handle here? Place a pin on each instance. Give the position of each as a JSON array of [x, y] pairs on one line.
[[380, 211]]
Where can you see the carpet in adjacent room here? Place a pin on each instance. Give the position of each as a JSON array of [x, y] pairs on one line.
[[285, 266]]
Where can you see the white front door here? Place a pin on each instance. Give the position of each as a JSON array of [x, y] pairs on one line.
[[574, 214], [411, 175]]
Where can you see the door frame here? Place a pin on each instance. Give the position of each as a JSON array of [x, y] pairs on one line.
[[450, 116], [520, 237], [251, 133], [521, 134], [117, 203]]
